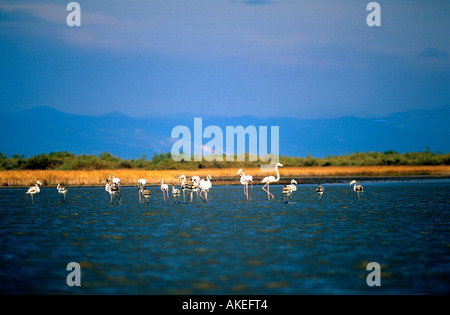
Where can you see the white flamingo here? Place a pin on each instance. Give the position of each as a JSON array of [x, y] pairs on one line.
[[164, 189], [113, 190], [358, 188], [270, 180], [205, 186], [63, 191], [184, 186], [141, 186], [34, 190], [176, 193], [289, 189], [320, 190], [245, 179]]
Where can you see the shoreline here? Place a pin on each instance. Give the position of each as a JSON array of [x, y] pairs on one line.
[[303, 175]]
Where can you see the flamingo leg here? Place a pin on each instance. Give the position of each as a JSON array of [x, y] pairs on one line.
[[201, 191], [32, 200], [251, 190], [268, 191], [263, 188]]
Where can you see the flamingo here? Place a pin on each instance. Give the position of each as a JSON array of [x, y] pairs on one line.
[[289, 189], [270, 180], [113, 190], [245, 179], [175, 193], [146, 194], [141, 185], [286, 192], [114, 180], [320, 190], [183, 186], [205, 186], [164, 189], [358, 188], [34, 190], [63, 191], [195, 182]]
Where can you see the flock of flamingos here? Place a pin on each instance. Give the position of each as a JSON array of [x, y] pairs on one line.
[[195, 185]]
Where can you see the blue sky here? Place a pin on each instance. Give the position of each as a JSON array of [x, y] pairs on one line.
[[304, 59]]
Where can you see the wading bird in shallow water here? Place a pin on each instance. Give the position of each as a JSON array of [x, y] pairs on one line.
[[320, 190], [114, 180], [113, 190], [289, 189], [270, 180], [193, 186], [358, 188], [34, 190], [63, 191], [146, 194], [164, 189], [184, 186], [141, 186], [245, 179], [205, 186], [176, 194]]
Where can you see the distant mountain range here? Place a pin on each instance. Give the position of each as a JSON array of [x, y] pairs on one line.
[[44, 130]]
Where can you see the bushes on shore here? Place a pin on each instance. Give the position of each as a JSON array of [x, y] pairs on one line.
[[163, 161]]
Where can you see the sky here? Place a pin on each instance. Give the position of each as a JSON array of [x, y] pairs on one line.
[[300, 58]]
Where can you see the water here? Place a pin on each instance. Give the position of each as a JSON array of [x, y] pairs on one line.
[[229, 246]]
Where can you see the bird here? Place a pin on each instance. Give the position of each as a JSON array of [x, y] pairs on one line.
[[146, 194], [245, 179], [176, 193], [193, 186], [286, 192], [34, 190], [270, 180], [183, 186], [164, 189], [63, 191], [320, 190], [141, 185], [289, 189], [358, 188], [114, 180], [205, 186], [113, 190]]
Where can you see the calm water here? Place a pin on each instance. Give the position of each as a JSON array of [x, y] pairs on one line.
[[229, 246]]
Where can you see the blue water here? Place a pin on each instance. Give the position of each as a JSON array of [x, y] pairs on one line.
[[229, 246]]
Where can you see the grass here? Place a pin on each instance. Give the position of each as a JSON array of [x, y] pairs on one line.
[[219, 176]]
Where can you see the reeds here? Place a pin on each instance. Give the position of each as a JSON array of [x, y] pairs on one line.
[[223, 176]]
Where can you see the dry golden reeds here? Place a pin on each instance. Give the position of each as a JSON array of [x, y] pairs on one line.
[[130, 177]]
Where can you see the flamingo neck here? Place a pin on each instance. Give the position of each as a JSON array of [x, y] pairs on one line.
[[278, 174]]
